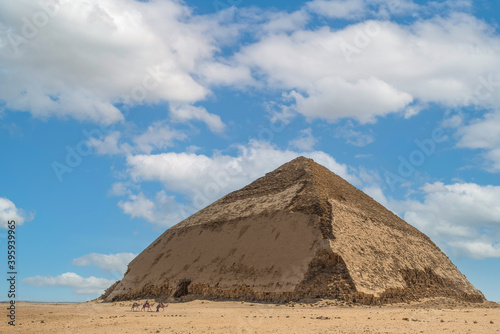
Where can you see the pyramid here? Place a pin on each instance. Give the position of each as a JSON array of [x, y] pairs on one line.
[[297, 233]]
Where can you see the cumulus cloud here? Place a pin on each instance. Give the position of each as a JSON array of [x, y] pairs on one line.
[[280, 22], [119, 189], [332, 98], [110, 144], [463, 216], [305, 141], [78, 284], [157, 136], [381, 65], [190, 173], [483, 134], [375, 192], [237, 76], [109, 262], [358, 9], [477, 249], [9, 211], [353, 137], [163, 210], [86, 57], [345, 9], [134, 52], [185, 113], [203, 179], [139, 206]]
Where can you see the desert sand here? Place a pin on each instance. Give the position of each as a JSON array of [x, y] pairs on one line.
[[203, 316]]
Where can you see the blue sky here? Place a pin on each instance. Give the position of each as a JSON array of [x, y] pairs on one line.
[[120, 118]]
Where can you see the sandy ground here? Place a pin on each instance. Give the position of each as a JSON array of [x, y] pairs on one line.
[[237, 317]]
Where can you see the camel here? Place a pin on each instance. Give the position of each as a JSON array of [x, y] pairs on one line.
[[135, 305], [147, 305], [162, 306]]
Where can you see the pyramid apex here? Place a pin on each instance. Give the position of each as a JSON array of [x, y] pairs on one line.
[[299, 163], [302, 159]]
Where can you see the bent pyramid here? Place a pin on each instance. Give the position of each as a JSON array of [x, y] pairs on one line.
[[299, 232]]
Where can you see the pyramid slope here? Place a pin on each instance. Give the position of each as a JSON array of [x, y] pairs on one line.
[[299, 231]]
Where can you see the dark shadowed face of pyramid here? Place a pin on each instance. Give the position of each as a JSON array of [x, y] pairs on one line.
[[299, 232]]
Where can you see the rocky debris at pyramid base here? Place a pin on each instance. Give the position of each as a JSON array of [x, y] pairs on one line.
[[299, 232]]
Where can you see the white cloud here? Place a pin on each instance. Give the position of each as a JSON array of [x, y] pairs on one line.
[[494, 157], [373, 68], [185, 113], [284, 22], [280, 113], [353, 137], [363, 156], [192, 174], [481, 134], [9, 211], [110, 144], [463, 216], [139, 206], [136, 52], [109, 262], [119, 189], [204, 179], [449, 5], [78, 284], [159, 136], [413, 110], [345, 9], [477, 249], [387, 8], [332, 98], [237, 76], [162, 211], [305, 141], [377, 194], [484, 134], [90, 55], [357, 9]]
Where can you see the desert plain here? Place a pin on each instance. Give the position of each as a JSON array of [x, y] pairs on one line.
[[205, 316]]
